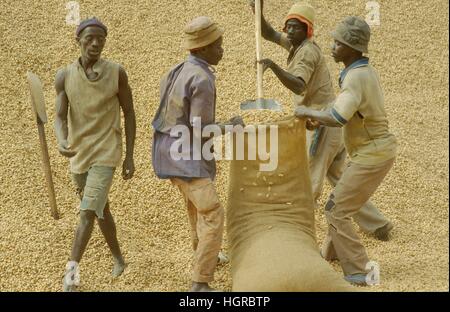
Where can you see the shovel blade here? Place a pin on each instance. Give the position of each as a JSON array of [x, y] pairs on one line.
[[37, 96], [261, 104]]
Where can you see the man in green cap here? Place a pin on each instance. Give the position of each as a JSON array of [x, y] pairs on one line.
[[308, 77], [90, 92], [188, 93], [359, 109]]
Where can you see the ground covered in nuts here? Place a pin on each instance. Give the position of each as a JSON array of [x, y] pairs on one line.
[[409, 51]]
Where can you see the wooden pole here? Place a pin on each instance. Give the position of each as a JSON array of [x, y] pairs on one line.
[[38, 106], [46, 168], [258, 35]]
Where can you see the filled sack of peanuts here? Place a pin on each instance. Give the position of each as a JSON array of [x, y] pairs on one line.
[[270, 216]]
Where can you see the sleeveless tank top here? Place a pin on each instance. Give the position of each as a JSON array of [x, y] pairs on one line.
[[94, 116]]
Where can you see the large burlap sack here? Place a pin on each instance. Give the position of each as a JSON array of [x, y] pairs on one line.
[[270, 221]]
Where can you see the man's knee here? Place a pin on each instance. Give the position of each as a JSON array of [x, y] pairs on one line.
[[87, 217], [337, 214], [202, 194], [331, 213], [213, 223], [215, 214], [106, 211]]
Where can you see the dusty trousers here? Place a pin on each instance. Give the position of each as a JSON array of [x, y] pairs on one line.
[[329, 161], [206, 218], [355, 187]]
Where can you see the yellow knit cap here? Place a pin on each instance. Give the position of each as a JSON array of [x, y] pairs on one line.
[[303, 12], [200, 32]]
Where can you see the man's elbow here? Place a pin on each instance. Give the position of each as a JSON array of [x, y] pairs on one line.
[[334, 123], [299, 87], [298, 90], [266, 36]]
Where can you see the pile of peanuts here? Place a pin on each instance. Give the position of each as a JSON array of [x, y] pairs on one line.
[[409, 52]]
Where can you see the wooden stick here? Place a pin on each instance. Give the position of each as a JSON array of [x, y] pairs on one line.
[[46, 168], [38, 106], [259, 67]]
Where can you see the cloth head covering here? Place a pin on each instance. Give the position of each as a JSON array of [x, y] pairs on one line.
[[354, 32], [201, 32], [90, 22], [304, 13]]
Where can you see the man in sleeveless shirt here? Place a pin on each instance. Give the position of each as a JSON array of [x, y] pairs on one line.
[[359, 110], [308, 77], [188, 92], [90, 93]]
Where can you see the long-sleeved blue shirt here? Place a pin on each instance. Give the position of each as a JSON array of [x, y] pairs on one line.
[[187, 91]]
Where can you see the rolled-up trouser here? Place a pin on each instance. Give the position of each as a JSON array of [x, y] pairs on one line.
[[206, 217], [354, 188], [329, 161], [93, 187]]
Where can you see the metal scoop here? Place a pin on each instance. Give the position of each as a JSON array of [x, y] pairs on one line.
[[260, 102]]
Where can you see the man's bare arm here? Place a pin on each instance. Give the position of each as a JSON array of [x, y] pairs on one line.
[[267, 31], [323, 117], [293, 83], [126, 103], [62, 108]]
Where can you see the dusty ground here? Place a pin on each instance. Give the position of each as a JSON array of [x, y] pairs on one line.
[[409, 49]]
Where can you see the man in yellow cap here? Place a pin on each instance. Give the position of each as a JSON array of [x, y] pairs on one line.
[[188, 93], [359, 109], [308, 77]]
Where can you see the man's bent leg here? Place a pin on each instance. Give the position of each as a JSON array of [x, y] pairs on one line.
[[210, 230], [82, 235], [192, 215], [368, 218], [354, 188], [108, 228], [210, 222], [95, 199], [191, 210]]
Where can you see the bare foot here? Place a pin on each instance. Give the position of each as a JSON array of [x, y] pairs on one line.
[[119, 267], [71, 279]]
